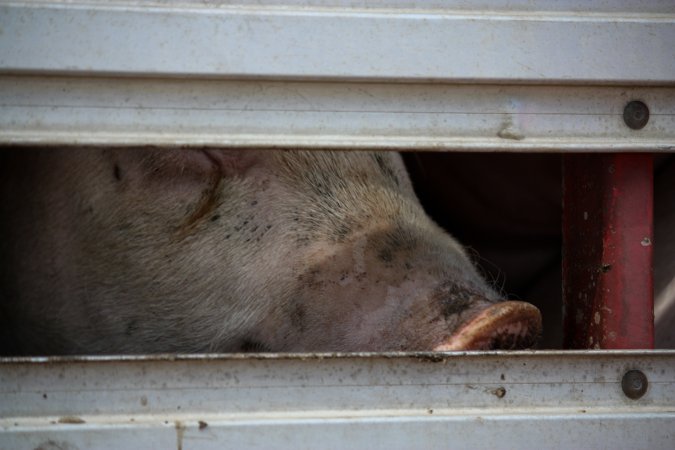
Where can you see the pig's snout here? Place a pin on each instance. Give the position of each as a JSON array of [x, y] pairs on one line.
[[502, 326]]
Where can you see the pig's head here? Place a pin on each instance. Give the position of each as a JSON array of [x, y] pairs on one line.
[[213, 250]]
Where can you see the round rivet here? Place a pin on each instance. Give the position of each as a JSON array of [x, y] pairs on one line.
[[636, 115], [634, 384]]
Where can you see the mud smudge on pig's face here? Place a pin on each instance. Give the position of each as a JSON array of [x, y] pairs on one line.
[[156, 250]]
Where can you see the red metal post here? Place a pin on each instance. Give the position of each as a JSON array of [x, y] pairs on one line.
[[607, 251]]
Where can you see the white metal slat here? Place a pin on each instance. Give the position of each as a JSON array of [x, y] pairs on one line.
[[61, 111], [344, 40], [496, 400]]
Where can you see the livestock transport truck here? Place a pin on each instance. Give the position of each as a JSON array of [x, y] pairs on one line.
[[592, 82]]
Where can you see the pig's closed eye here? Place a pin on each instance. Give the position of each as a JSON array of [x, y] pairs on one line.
[[230, 162]]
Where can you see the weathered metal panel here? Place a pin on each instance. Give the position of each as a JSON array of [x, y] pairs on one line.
[[493, 75], [120, 111], [651, 431], [462, 400], [617, 42], [607, 256]]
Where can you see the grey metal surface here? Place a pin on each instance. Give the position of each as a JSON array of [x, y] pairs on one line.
[[615, 42], [273, 114], [474, 400]]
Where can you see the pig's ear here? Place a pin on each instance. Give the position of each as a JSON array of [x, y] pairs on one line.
[[502, 326]]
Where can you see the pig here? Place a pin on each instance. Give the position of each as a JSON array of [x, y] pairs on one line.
[[154, 250]]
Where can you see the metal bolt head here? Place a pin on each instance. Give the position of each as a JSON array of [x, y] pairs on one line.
[[636, 115], [634, 384]]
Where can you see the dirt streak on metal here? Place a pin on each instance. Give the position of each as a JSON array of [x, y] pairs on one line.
[[180, 433]]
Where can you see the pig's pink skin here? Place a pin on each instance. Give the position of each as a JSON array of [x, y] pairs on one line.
[[156, 250]]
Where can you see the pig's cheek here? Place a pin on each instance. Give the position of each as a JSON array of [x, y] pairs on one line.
[[344, 294], [348, 295]]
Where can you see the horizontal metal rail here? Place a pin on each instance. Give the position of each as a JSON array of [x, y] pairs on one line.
[[571, 41], [462, 400], [170, 112]]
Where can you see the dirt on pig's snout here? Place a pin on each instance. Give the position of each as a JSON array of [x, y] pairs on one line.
[[156, 250]]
